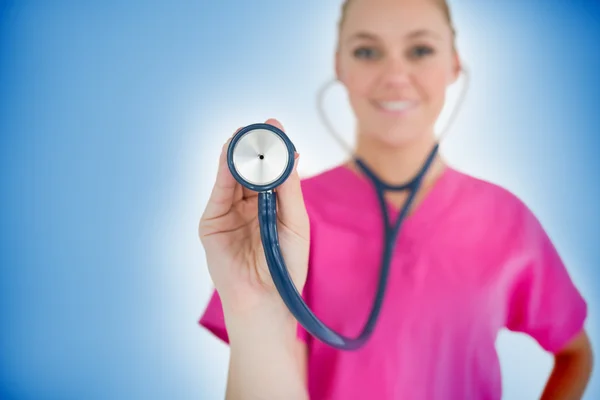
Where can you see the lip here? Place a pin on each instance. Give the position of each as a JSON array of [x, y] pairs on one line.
[[394, 107]]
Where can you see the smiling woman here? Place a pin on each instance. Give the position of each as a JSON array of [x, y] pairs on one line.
[[396, 68], [470, 260]]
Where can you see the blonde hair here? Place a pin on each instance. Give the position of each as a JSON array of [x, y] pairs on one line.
[[443, 4]]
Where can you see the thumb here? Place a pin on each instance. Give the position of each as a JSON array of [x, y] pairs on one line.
[[223, 192]]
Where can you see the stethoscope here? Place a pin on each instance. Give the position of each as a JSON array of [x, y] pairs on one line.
[[261, 157]]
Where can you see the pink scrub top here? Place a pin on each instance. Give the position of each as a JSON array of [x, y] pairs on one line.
[[472, 259]]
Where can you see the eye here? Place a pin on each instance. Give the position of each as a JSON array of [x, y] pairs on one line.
[[368, 53], [421, 51]]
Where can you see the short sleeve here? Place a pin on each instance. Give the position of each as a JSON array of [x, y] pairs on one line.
[[214, 321], [544, 301]]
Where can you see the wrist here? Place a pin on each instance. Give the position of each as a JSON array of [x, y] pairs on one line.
[[269, 319], [244, 304], [260, 311]]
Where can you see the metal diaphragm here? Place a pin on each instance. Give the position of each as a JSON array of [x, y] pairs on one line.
[[260, 157]]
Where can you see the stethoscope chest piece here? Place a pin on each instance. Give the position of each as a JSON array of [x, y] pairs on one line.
[[260, 157]]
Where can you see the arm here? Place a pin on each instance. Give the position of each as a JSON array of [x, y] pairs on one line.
[[267, 361], [571, 372]]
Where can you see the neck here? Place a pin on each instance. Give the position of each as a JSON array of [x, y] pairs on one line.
[[399, 164]]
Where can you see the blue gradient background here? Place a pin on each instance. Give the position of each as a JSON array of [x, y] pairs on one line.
[[112, 115]]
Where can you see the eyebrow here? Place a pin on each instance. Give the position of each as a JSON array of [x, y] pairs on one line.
[[413, 35]]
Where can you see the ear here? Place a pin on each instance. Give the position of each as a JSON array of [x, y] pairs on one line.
[[456, 67], [338, 73]]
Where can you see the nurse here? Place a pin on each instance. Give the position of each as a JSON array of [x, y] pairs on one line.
[[471, 258]]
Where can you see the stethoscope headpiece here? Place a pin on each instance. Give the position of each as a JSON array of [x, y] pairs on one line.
[[260, 157]]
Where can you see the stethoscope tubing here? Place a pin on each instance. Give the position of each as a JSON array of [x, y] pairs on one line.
[[267, 215]]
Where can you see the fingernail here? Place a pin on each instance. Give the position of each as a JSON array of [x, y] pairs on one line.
[[296, 155]]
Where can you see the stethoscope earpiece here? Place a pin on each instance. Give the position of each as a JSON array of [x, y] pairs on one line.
[[260, 157]]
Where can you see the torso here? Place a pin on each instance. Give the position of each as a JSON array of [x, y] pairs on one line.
[[443, 307]]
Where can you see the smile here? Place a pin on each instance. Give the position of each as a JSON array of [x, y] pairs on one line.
[[395, 107]]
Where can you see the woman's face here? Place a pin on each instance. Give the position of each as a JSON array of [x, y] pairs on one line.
[[396, 60]]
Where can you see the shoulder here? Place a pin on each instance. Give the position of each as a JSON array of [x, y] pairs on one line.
[[484, 196], [496, 213]]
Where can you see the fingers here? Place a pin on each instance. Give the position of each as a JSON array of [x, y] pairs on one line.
[[223, 192], [291, 209], [290, 202], [226, 191], [275, 123]]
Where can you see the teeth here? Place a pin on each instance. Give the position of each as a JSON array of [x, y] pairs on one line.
[[395, 105]]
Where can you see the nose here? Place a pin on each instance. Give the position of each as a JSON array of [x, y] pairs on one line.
[[395, 72]]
